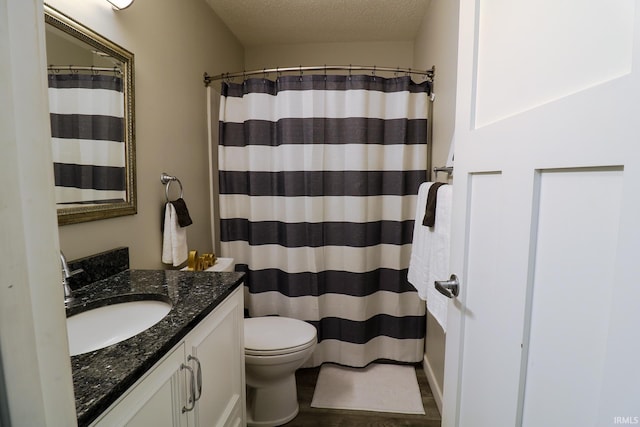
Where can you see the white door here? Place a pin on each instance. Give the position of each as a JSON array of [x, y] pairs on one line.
[[546, 222]]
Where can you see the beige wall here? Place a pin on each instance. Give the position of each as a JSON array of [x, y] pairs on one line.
[[436, 44], [389, 54], [173, 46]]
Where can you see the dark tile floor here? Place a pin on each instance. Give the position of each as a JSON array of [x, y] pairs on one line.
[[308, 416]]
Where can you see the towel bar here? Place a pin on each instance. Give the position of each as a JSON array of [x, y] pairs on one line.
[[167, 179], [447, 169]]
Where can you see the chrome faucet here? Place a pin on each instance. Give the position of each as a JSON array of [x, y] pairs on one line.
[[66, 274]]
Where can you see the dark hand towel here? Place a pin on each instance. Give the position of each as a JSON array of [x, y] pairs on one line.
[[183, 213], [432, 199]]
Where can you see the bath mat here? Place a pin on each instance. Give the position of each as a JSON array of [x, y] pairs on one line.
[[378, 388]]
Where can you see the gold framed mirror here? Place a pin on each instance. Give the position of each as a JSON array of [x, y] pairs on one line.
[[91, 100]]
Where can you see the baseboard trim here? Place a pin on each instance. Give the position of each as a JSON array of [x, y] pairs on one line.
[[431, 379]]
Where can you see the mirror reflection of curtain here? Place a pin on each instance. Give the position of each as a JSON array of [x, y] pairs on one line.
[[318, 184], [87, 129]]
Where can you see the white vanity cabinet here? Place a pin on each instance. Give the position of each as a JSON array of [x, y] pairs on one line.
[[211, 357], [218, 346]]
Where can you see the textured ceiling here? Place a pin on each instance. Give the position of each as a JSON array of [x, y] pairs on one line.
[[268, 22]]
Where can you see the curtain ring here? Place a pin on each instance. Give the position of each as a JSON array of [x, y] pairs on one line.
[[349, 71], [300, 67]]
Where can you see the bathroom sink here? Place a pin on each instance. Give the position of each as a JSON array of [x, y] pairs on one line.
[[107, 325]]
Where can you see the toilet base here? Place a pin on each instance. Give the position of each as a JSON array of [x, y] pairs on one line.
[[274, 405]]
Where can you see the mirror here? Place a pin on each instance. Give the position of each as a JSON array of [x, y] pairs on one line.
[[91, 101]]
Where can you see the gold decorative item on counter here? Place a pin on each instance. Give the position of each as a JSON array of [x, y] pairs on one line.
[[200, 263], [192, 260]]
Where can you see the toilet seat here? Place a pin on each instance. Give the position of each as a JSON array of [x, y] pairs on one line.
[[273, 336], [280, 352]]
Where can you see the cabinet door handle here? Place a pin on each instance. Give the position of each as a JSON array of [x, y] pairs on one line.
[[191, 399], [199, 374]]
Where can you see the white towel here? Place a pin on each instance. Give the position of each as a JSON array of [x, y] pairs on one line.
[[174, 242], [430, 251]]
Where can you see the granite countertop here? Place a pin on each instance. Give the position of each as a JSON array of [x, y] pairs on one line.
[[100, 377]]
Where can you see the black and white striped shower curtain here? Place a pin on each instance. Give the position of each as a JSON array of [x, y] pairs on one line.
[[87, 130], [319, 177]]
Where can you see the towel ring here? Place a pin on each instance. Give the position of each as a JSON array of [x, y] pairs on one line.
[[167, 179]]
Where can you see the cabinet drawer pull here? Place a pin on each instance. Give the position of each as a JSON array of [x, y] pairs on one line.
[[199, 374], [191, 399]]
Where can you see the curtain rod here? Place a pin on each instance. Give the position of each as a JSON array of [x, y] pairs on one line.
[[58, 68], [429, 74]]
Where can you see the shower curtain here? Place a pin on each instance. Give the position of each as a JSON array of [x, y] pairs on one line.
[[87, 130], [318, 182]]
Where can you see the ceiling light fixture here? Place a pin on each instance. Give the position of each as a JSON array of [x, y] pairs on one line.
[[120, 4]]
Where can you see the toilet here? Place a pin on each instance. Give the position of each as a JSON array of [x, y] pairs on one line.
[[274, 348]]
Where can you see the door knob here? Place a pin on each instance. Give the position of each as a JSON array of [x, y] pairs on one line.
[[449, 288]]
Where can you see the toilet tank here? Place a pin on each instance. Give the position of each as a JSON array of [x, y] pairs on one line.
[[223, 264]]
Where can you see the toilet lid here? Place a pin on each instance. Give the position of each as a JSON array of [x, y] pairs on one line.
[[275, 334]]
